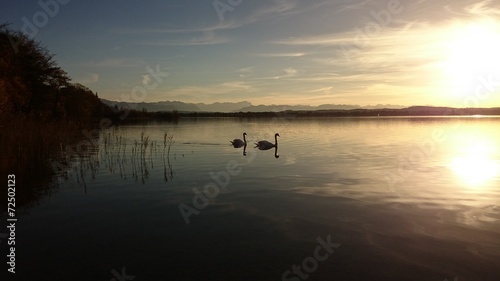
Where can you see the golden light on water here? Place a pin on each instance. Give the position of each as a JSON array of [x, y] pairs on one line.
[[474, 165]]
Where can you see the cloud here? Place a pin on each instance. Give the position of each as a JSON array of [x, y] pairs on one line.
[[285, 73], [218, 26], [280, 55], [245, 72], [239, 85], [146, 79], [114, 62], [322, 90], [355, 6], [87, 78], [394, 61], [208, 38], [482, 9], [224, 91], [300, 7], [332, 39], [289, 72], [276, 7]]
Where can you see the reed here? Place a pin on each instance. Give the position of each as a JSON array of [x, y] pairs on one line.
[[29, 146]]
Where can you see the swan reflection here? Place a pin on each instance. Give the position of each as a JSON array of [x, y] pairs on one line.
[[245, 150], [237, 143], [266, 145]]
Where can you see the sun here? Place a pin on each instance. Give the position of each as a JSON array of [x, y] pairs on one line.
[[472, 50]]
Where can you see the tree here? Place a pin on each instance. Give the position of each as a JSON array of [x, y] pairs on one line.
[[29, 77]]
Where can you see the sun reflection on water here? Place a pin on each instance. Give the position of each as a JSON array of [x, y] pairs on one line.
[[475, 163]]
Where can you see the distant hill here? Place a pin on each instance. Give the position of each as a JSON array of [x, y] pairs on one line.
[[243, 106], [223, 106], [277, 108], [358, 112], [155, 106]]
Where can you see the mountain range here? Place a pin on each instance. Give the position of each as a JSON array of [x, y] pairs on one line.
[[243, 106]]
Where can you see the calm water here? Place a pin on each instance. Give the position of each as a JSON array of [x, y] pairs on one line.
[[396, 199]]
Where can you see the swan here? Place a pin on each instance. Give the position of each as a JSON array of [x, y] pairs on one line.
[[265, 145], [237, 143]]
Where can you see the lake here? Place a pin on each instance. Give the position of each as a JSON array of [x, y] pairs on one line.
[[408, 198]]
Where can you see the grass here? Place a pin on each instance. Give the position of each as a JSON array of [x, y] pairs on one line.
[[29, 146], [40, 152], [128, 156]]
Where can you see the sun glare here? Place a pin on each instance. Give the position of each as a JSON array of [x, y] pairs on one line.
[[472, 51], [474, 165]]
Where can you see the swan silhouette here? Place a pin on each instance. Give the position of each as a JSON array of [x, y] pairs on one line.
[[237, 143], [265, 145]]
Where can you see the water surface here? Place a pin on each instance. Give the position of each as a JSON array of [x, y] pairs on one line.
[[406, 199]]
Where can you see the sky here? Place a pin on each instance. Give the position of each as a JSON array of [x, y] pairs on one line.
[[364, 52]]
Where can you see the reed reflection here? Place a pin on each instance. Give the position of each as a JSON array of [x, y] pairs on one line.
[[128, 158], [168, 172]]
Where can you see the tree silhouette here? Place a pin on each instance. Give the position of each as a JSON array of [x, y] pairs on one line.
[[29, 77]]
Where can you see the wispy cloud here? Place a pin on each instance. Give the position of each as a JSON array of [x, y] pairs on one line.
[[281, 74], [224, 91], [325, 90], [279, 9], [87, 78], [483, 8], [114, 63], [275, 8], [396, 60], [238, 85], [356, 6], [208, 38], [218, 26], [288, 73], [146, 79], [245, 72], [281, 55], [269, 9], [332, 39]]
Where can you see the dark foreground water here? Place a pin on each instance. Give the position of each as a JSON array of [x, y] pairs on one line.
[[347, 199]]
